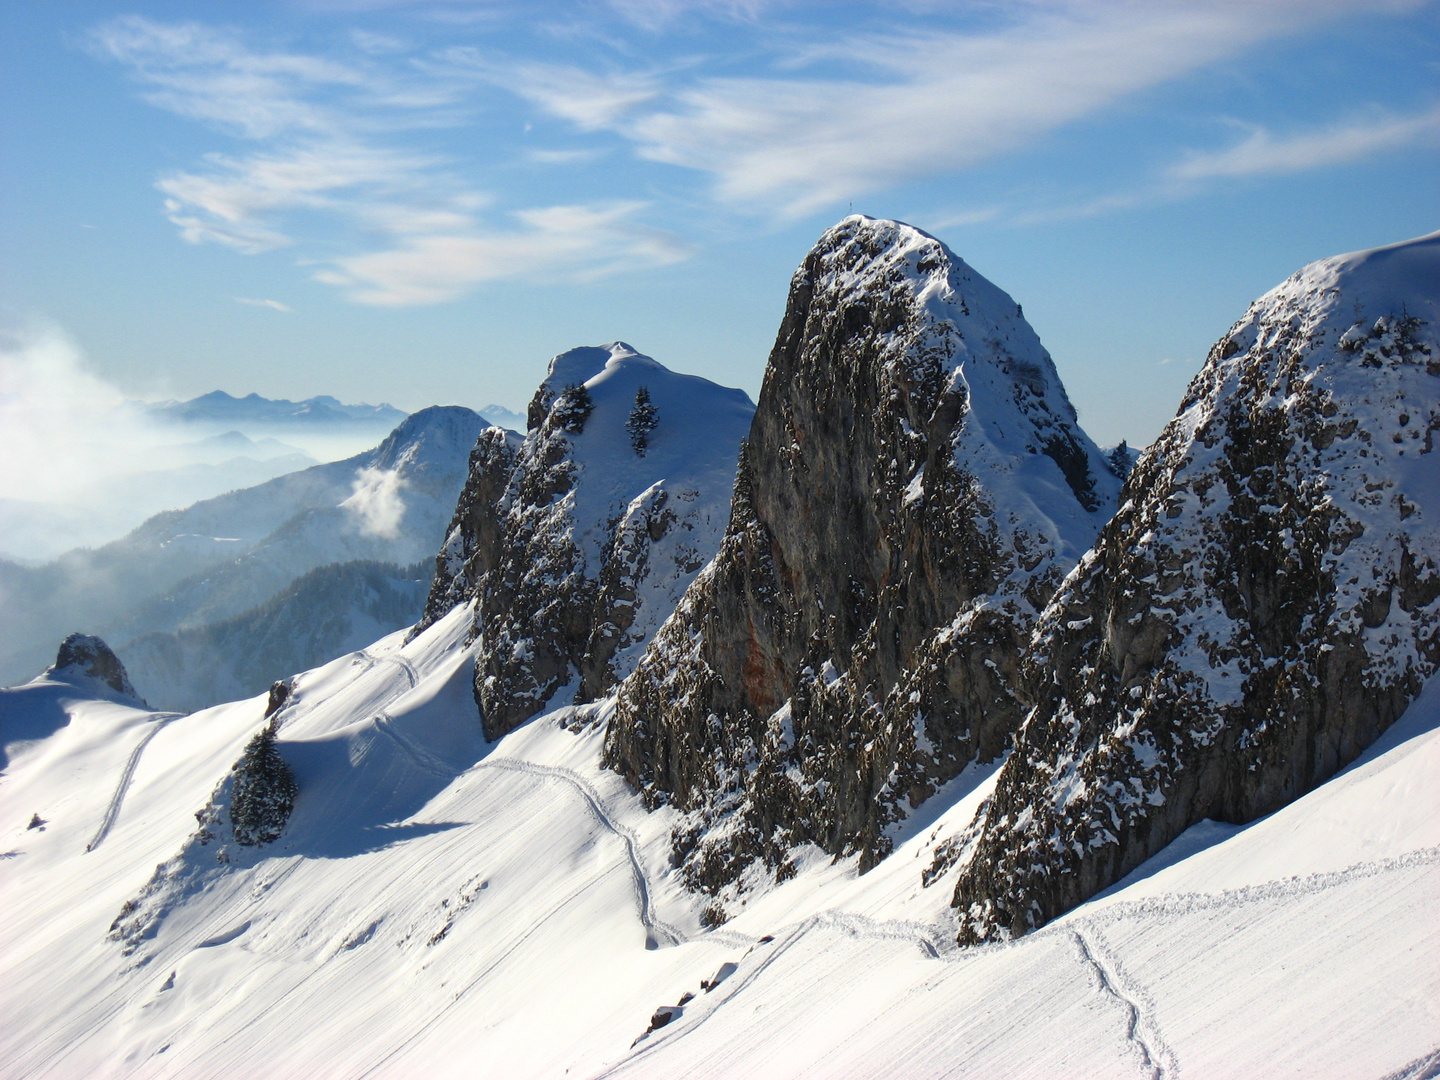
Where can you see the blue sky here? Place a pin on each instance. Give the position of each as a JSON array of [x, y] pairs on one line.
[[421, 202]]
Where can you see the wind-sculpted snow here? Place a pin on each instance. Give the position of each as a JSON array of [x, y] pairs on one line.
[[573, 545], [1265, 603], [913, 489]]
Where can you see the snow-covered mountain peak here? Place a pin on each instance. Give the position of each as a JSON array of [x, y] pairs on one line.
[[439, 434], [970, 333], [914, 488], [1263, 605], [576, 543], [861, 249]]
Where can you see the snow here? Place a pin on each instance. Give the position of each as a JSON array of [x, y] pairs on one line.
[[692, 448], [585, 513], [442, 906], [438, 906]]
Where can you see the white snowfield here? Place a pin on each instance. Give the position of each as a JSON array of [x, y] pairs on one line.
[[441, 907]]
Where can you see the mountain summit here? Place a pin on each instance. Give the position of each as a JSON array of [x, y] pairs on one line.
[[576, 542], [1263, 606], [913, 490]]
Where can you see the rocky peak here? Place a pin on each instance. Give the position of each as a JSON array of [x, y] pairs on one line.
[[1264, 604], [913, 489], [574, 546], [84, 657]]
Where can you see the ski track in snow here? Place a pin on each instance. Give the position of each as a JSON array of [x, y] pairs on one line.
[[671, 1032], [1159, 1059], [655, 927], [112, 811], [1084, 932], [648, 918], [385, 724], [1140, 1029], [370, 659], [1156, 1056], [1292, 888]]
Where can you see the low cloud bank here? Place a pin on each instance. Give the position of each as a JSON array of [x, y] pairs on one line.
[[81, 465]]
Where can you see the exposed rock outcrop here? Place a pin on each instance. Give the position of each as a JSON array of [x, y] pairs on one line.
[[913, 489], [473, 540], [86, 658], [573, 546], [1265, 603]]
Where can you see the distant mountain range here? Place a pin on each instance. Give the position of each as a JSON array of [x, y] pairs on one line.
[[223, 557], [498, 414], [220, 408]]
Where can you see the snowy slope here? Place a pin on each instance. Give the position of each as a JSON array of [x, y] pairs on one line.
[[438, 906]]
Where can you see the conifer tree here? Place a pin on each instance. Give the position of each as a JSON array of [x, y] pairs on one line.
[[264, 791], [1120, 462], [642, 421], [572, 408]]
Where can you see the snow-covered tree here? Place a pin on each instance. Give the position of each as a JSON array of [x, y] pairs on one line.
[[264, 791], [642, 421], [572, 408]]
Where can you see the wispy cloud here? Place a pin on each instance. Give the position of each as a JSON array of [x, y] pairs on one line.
[[656, 15], [918, 104], [328, 158], [273, 305], [592, 101], [579, 242], [323, 136], [563, 157], [1264, 154]]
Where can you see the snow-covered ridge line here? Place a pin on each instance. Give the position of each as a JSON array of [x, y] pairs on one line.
[[1264, 604], [576, 542]]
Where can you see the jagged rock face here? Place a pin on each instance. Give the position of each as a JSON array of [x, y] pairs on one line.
[[573, 545], [912, 491], [1262, 607], [88, 657], [473, 540]]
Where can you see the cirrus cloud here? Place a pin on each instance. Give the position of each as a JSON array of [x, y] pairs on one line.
[[1264, 154], [323, 135]]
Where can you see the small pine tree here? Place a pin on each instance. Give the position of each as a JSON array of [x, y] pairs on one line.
[[1120, 461], [264, 791], [572, 408], [642, 421]]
